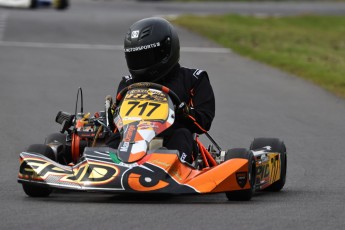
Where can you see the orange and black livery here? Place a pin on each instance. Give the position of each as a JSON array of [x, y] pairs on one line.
[[141, 164]]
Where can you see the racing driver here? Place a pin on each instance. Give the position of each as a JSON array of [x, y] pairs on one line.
[[152, 52]]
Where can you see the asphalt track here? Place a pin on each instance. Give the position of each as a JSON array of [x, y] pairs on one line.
[[46, 55]]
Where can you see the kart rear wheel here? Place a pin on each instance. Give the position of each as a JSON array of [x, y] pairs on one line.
[[276, 146], [57, 142], [56, 137], [31, 189], [246, 194]]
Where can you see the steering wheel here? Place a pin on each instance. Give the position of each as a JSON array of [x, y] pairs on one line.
[[176, 100]]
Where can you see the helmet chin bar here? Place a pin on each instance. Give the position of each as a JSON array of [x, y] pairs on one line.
[[152, 74]]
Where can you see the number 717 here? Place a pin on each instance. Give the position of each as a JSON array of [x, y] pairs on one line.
[[143, 107]]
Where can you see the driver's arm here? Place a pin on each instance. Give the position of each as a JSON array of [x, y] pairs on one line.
[[202, 105]]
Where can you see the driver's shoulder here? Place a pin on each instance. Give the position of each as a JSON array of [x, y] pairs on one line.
[[128, 79], [192, 74], [125, 81]]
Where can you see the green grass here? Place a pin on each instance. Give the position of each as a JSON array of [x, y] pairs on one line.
[[251, 0], [312, 47]]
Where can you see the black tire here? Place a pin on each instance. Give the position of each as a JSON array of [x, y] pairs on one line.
[[57, 141], [56, 137], [33, 190], [277, 146], [243, 195], [61, 4]]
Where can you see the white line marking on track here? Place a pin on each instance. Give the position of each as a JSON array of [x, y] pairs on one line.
[[59, 45], [3, 22], [205, 50], [101, 47]]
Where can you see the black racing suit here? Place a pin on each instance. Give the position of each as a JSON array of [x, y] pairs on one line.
[[193, 87]]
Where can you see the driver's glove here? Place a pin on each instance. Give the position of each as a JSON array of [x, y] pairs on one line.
[[110, 108], [185, 110]]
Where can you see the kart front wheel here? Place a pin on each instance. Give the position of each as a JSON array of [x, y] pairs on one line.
[[276, 146], [31, 189], [245, 194]]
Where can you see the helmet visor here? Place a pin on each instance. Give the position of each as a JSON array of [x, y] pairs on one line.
[[145, 56]]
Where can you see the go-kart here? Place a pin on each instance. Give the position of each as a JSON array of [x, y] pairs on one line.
[[78, 159]]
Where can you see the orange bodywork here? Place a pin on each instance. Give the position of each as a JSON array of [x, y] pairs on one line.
[[156, 172], [214, 179]]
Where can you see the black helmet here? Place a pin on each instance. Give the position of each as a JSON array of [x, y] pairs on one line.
[[152, 49]]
